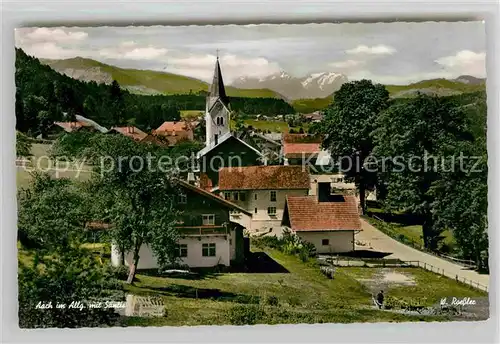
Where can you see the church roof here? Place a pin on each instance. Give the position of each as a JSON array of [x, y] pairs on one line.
[[217, 89], [223, 139]]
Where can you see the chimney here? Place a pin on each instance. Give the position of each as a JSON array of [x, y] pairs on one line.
[[323, 191], [190, 178]]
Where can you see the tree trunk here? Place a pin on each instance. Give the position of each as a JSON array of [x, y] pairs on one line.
[[428, 234], [133, 268], [362, 196]]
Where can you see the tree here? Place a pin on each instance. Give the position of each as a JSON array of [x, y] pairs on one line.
[[136, 195], [52, 212], [52, 217], [23, 145], [347, 127], [461, 202], [72, 278], [118, 106], [412, 139]]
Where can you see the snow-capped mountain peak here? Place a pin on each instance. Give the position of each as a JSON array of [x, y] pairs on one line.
[[322, 79], [315, 85]]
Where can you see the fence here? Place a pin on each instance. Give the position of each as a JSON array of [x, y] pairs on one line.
[[418, 246], [381, 262]]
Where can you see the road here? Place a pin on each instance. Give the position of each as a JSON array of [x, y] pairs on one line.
[[378, 241]]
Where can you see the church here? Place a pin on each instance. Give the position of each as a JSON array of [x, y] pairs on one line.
[[222, 147]]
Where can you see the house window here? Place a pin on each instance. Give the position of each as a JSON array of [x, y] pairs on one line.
[[235, 196], [216, 139], [273, 196], [208, 219], [243, 196], [325, 242], [255, 211], [208, 250], [182, 250], [227, 196], [182, 198], [255, 197], [271, 211]]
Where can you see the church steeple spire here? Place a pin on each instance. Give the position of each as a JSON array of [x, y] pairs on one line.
[[217, 89]]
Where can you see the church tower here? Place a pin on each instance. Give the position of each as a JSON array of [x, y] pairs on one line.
[[217, 112]]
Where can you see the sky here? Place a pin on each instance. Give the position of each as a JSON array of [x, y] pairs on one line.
[[389, 53]]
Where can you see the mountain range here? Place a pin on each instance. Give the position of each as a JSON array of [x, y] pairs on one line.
[[316, 85], [143, 81], [309, 93]]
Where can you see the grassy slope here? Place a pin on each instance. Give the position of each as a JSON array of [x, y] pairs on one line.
[[429, 286], [436, 84], [40, 161], [166, 83], [439, 86], [304, 295], [311, 105]]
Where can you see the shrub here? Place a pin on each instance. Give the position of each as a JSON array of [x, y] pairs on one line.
[[119, 272], [246, 314], [272, 300]]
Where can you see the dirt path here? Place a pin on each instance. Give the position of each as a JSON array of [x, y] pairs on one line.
[[378, 241]]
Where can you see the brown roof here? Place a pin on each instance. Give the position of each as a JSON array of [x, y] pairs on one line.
[[299, 149], [263, 178], [72, 126], [213, 197], [307, 214], [300, 145], [132, 132], [170, 127]]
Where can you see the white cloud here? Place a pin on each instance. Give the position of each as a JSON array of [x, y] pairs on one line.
[[51, 50], [43, 34], [346, 64], [129, 51], [233, 66], [373, 50], [465, 62]]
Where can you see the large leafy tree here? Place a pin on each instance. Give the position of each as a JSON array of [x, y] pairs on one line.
[[461, 201], [412, 139], [52, 217], [23, 145], [137, 198], [72, 278], [52, 213], [347, 126]]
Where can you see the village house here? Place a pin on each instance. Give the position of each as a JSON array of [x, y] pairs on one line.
[[79, 124], [261, 191], [326, 220], [208, 237], [304, 149], [135, 134], [176, 131], [222, 148]]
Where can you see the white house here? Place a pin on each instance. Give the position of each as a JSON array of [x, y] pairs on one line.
[[262, 191], [325, 220], [207, 235]]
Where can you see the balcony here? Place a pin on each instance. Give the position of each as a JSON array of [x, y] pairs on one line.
[[208, 230]]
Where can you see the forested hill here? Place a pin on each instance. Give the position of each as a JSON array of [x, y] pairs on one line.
[[43, 95]]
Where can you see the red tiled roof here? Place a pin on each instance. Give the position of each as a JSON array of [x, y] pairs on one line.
[[301, 148], [132, 132], [299, 145], [263, 178], [176, 126], [72, 126], [307, 214]]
